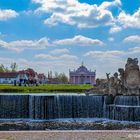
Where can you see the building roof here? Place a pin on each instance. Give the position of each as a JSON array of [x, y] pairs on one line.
[[8, 74], [82, 70]]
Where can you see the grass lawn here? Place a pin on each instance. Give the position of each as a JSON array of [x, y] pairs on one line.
[[48, 88]]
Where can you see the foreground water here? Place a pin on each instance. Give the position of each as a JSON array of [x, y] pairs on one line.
[[68, 111]]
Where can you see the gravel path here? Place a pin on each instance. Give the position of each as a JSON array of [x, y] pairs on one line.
[[70, 135]]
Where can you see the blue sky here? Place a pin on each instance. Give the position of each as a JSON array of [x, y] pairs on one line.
[[58, 35]]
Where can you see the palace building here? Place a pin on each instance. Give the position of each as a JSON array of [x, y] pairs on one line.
[[82, 76]]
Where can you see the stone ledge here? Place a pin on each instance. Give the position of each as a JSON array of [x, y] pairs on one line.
[[70, 135]]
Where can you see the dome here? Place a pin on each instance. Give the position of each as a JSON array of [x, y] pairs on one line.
[[82, 69]]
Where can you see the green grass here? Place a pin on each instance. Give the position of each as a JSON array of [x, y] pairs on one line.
[[48, 88]]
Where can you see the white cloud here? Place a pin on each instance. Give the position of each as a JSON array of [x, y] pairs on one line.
[[132, 39], [106, 61], [20, 45], [129, 21], [82, 15], [111, 60], [59, 51], [107, 4], [59, 63], [105, 54], [111, 39], [135, 50], [79, 41], [115, 29], [46, 56], [7, 14], [65, 57], [68, 57], [41, 65]]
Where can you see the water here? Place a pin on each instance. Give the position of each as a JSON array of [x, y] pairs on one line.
[[124, 108], [61, 106], [14, 106], [65, 106]]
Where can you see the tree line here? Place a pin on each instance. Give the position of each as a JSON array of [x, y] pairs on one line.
[[60, 76], [13, 68]]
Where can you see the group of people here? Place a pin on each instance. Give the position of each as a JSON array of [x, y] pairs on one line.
[[25, 82]]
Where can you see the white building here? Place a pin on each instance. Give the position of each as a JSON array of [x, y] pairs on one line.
[[12, 77]]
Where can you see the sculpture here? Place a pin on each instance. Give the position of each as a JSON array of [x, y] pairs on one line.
[[126, 83]]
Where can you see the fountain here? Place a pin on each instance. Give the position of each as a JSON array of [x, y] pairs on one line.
[[119, 99], [125, 92]]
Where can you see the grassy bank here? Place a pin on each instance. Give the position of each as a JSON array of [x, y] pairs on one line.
[[48, 88]]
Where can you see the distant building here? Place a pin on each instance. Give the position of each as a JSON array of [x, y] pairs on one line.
[[12, 77], [82, 76], [42, 79], [28, 76]]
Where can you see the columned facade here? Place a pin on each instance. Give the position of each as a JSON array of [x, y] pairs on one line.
[[82, 76]]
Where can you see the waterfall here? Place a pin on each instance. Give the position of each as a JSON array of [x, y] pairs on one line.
[[45, 106], [125, 108], [14, 106], [127, 100], [66, 106]]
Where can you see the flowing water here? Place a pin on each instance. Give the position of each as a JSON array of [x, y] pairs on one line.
[[45, 107]]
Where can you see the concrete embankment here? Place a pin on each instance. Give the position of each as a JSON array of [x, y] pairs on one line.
[[70, 135]]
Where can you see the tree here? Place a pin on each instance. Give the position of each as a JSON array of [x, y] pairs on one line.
[[6, 69], [49, 74], [13, 67], [63, 78], [56, 75], [2, 68]]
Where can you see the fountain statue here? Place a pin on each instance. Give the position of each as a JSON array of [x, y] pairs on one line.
[[124, 82], [130, 78]]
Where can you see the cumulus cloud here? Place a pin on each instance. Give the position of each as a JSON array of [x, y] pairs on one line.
[[59, 51], [135, 50], [82, 15], [115, 29], [127, 20], [46, 56], [132, 39], [79, 40], [105, 54], [7, 14], [20, 45], [107, 4], [54, 57], [42, 66], [111, 60]]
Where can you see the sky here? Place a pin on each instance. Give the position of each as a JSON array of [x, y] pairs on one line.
[[58, 35]]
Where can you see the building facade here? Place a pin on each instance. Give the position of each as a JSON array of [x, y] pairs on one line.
[[11, 77], [28, 76], [82, 76]]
